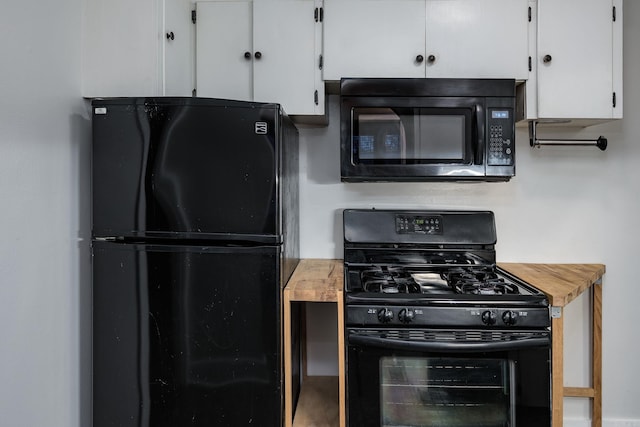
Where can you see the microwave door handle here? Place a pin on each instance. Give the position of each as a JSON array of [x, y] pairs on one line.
[[479, 134], [448, 346]]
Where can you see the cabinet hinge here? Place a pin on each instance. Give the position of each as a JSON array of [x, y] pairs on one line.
[[529, 13], [193, 16], [614, 14], [194, 93], [614, 100], [315, 97], [318, 14], [530, 64], [320, 62]]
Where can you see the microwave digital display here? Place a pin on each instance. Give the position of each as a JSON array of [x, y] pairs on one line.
[[500, 114]]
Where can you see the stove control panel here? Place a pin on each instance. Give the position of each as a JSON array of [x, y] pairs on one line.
[[429, 316], [508, 317], [419, 224]]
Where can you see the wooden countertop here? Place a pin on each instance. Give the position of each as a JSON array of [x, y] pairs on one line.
[[317, 280], [562, 283], [322, 280]]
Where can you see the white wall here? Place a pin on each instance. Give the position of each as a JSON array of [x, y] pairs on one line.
[[43, 217], [565, 205]]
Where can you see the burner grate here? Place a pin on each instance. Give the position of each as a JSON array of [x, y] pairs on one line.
[[392, 280], [470, 280], [480, 282]]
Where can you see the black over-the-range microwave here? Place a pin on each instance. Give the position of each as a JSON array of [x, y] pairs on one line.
[[427, 129]]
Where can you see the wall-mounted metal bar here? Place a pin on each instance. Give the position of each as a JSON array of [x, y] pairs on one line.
[[534, 141]]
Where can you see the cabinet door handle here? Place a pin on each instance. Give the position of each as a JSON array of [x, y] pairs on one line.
[[170, 35], [546, 59], [247, 55], [431, 59], [419, 59], [258, 55]]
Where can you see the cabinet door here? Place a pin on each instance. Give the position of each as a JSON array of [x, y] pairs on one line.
[[477, 39], [224, 50], [285, 55], [379, 38], [575, 59], [121, 50], [178, 48]]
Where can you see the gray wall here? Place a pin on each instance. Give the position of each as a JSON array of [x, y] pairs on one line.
[[44, 217]]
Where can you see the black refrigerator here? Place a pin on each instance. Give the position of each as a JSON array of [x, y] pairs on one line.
[[194, 235]]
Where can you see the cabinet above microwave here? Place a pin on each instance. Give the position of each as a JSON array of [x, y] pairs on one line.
[[425, 38]]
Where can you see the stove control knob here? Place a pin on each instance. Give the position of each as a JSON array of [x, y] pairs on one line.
[[406, 315], [509, 317], [385, 315], [489, 318]]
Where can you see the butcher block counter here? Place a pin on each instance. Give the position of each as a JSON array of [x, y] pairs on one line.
[[562, 283], [322, 400]]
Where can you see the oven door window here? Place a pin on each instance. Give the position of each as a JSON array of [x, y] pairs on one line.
[[389, 136], [441, 391]]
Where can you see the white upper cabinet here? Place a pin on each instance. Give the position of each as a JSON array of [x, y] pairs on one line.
[[126, 51], [426, 38], [569, 52], [121, 48], [266, 51], [477, 39], [373, 38], [178, 52], [578, 60], [289, 39], [224, 50]]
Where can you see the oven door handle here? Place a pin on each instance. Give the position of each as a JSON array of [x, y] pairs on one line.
[[448, 346]]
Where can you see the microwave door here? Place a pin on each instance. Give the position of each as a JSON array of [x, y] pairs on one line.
[[442, 139], [427, 129], [382, 136]]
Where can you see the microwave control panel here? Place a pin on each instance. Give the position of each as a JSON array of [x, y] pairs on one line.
[[501, 141]]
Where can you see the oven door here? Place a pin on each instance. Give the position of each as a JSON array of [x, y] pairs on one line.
[[440, 378]]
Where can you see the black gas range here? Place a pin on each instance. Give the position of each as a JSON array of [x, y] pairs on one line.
[[432, 268], [436, 333]]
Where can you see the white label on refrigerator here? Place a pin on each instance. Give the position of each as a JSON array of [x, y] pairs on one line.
[[100, 110]]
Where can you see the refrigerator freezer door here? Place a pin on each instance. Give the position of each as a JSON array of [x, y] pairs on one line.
[[186, 335], [186, 168]]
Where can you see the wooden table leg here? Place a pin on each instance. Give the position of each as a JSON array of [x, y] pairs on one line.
[[342, 402], [557, 368], [595, 391], [288, 398], [597, 355]]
